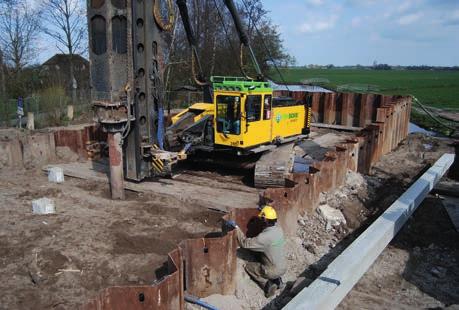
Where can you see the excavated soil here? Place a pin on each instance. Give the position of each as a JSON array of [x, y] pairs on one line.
[[59, 261]]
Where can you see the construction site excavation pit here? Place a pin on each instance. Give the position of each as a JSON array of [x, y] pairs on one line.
[[69, 259]]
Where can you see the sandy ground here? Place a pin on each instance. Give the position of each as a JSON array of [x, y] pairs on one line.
[[419, 269], [109, 242], [60, 261]]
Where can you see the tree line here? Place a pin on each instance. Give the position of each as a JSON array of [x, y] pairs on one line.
[[219, 45], [62, 24]]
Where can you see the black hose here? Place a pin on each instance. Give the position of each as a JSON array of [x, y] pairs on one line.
[[432, 116]]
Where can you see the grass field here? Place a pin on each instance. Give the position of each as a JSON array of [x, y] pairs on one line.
[[438, 89]]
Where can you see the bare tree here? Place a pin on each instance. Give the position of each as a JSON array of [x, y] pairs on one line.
[[19, 28], [66, 24], [2, 75], [218, 42]]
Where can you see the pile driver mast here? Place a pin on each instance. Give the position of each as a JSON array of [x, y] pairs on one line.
[[126, 39]]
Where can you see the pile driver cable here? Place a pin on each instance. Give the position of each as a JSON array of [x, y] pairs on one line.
[[265, 47]]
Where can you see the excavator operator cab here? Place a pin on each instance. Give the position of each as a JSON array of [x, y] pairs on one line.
[[228, 118], [246, 116]]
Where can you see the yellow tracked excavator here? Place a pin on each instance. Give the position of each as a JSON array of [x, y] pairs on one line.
[[241, 119]]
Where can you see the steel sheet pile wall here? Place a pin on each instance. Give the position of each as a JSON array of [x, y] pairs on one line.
[[209, 264], [324, 175], [384, 119], [168, 294], [19, 150], [38, 148], [77, 138]]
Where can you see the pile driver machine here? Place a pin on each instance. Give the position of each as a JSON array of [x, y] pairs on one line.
[[239, 117]]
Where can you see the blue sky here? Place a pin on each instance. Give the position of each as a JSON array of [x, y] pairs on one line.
[[347, 32]]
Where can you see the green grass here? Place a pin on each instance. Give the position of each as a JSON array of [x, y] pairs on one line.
[[438, 89]]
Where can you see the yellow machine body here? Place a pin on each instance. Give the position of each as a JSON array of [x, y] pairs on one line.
[[245, 117]]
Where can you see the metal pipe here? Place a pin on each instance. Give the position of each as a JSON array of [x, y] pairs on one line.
[[329, 289], [115, 152], [199, 302]]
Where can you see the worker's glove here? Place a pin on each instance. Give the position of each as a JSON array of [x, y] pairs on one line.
[[231, 224]]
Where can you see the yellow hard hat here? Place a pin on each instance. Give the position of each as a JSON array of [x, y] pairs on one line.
[[268, 213]]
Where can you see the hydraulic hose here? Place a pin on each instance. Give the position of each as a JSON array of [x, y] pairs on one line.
[[453, 130], [195, 300]]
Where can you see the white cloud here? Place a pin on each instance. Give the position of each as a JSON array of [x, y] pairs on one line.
[[360, 3], [404, 7], [409, 18], [315, 2], [319, 25]]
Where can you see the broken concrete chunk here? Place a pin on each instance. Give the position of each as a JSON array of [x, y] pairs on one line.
[[56, 175], [43, 206], [333, 216]]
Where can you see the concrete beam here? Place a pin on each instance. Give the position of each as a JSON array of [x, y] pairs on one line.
[[345, 271]]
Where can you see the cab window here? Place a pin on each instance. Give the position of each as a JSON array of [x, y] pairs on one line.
[[267, 108], [253, 108], [229, 114]]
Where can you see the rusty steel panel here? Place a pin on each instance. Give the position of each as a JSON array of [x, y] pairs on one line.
[[370, 104], [381, 119], [77, 138], [315, 107], [352, 146], [247, 220], [363, 110], [210, 265], [341, 165], [165, 295], [347, 112], [326, 169], [330, 108], [11, 153]]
